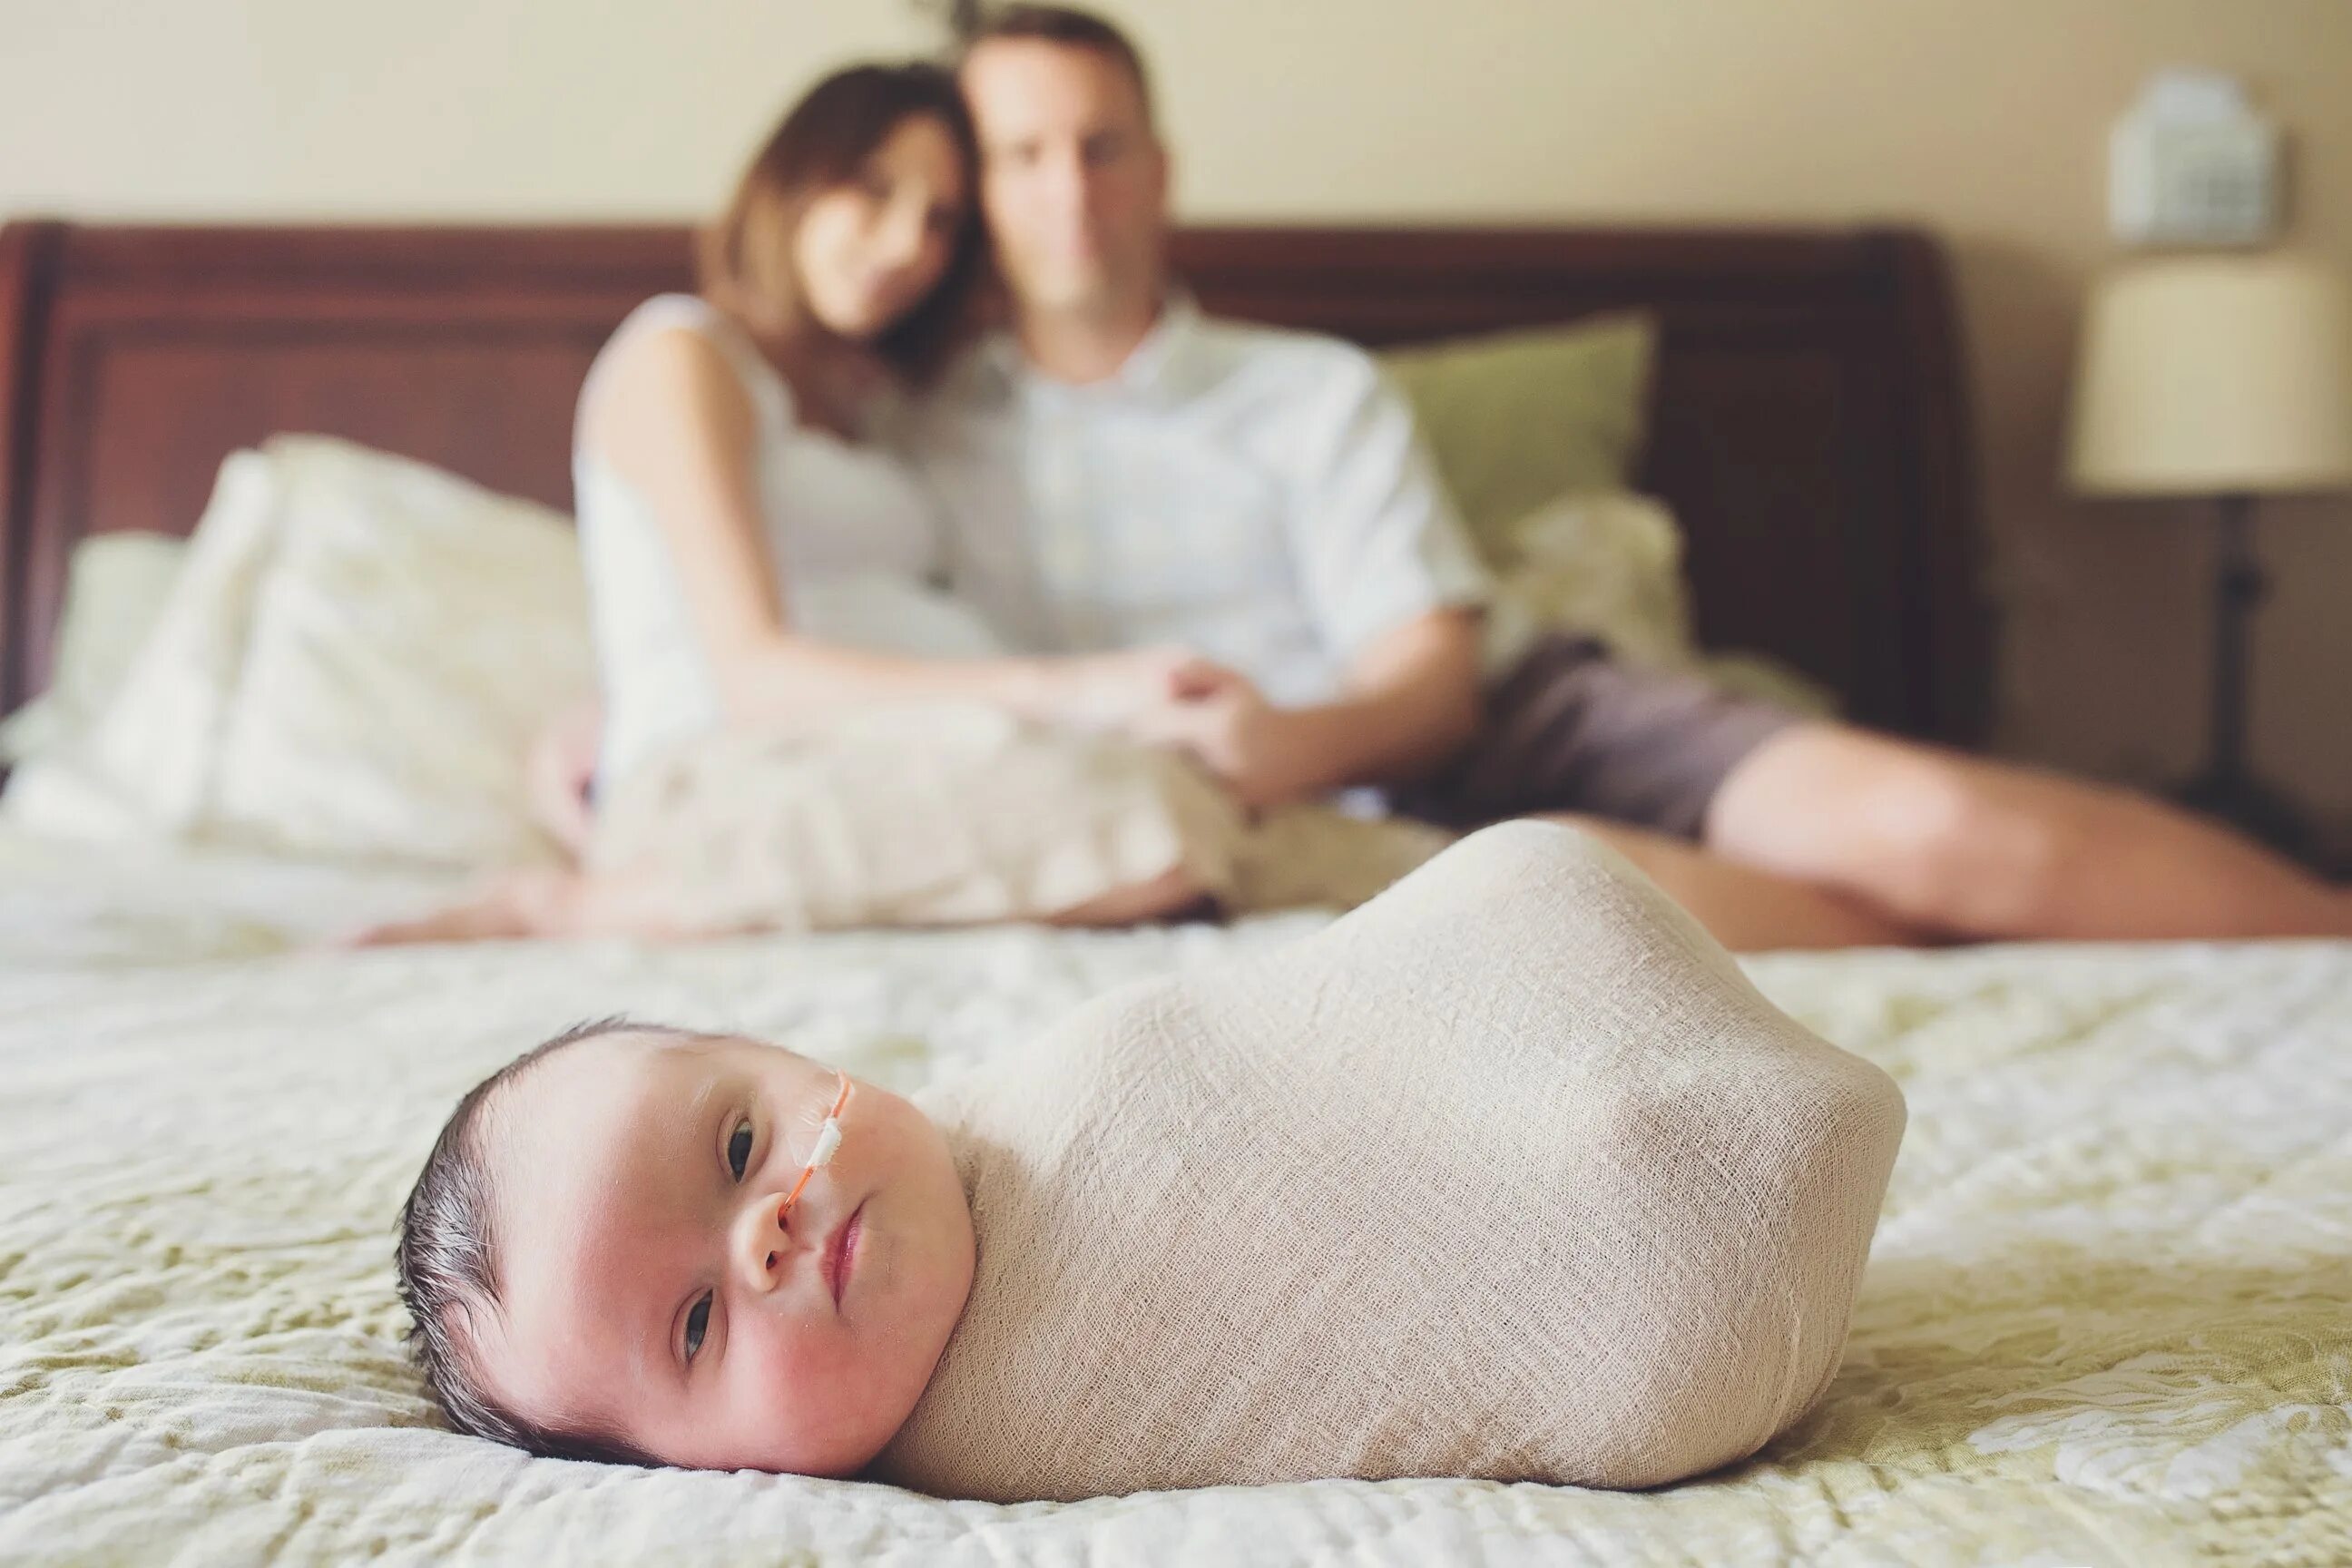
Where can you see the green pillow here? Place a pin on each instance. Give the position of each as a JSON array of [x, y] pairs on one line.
[[1515, 419]]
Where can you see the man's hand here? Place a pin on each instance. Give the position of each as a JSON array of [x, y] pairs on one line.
[[1266, 755], [1412, 699]]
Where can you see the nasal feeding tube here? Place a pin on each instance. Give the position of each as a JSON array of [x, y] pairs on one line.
[[828, 1141]]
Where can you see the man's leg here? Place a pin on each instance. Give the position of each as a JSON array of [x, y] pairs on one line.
[[1972, 849], [1747, 909]]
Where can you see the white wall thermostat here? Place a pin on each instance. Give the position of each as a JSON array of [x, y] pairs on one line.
[[2193, 163]]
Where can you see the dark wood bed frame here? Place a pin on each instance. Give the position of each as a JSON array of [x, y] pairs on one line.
[[1809, 427]]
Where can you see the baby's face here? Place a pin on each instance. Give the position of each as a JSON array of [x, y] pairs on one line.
[[649, 1290]]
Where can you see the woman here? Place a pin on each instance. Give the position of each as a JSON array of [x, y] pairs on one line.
[[752, 560]]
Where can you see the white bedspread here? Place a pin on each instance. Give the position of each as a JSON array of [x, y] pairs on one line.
[[2105, 1321]]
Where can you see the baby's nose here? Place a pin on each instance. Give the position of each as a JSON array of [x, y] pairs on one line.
[[764, 1242]]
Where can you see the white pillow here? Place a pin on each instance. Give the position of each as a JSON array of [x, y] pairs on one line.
[[1606, 564], [116, 585], [133, 771], [351, 663], [1609, 564]]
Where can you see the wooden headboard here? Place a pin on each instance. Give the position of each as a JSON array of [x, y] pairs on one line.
[[1809, 427]]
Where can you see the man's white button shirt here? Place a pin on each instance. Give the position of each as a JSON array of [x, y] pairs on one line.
[[1259, 496]]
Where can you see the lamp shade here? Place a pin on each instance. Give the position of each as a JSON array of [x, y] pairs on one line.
[[2207, 375]]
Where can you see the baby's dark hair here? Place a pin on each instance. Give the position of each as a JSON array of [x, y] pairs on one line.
[[448, 1259]]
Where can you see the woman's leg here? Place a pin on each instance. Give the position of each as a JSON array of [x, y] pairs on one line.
[[537, 902], [552, 904], [1165, 896], [497, 913], [1747, 909]]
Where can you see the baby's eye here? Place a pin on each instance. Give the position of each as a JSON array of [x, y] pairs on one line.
[[739, 1148], [698, 1323]]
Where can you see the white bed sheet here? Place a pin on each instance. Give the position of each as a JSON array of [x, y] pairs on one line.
[[2105, 1321]]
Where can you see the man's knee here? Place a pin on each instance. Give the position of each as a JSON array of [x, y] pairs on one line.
[[1942, 841], [1961, 851]]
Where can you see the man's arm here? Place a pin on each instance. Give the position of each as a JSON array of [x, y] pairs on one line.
[[1387, 573], [1412, 700]]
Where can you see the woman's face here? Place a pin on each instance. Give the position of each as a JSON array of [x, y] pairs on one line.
[[871, 249]]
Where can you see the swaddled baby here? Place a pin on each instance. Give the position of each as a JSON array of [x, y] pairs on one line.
[[1508, 1174]]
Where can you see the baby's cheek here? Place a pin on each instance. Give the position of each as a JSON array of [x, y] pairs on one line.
[[795, 1398]]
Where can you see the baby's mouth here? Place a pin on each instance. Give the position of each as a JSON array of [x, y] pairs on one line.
[[841, 1251]]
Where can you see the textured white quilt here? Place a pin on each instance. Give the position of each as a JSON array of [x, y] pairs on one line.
[[2106, 1320]]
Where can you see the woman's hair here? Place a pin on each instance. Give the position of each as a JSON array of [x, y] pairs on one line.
[[448, 1261], [747, 260]]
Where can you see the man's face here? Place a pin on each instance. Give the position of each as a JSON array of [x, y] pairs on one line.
[[1073, 179]]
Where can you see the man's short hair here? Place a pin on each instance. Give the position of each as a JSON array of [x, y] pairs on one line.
[[1070, 27]]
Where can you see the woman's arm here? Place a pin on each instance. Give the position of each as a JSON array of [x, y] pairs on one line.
[[675, 424]]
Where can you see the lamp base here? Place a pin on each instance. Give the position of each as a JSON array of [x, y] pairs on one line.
[[2254, 809]]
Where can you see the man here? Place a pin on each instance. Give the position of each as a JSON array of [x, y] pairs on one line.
[[1121, 471]]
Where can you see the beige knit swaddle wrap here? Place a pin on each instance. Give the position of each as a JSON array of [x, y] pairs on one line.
[[1508, 1174]]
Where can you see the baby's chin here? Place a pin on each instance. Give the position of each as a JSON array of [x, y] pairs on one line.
[[788, 1448], [831, 1456]]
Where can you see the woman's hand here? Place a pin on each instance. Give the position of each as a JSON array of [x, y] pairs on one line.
[[1112, 690], [560, 772]]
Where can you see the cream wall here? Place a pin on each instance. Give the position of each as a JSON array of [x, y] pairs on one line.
[[1984, 119]]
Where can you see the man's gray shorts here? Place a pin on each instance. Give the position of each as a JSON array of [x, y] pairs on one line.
[[1571, 728]]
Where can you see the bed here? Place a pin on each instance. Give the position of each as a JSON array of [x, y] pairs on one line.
[[2106, 1317]]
